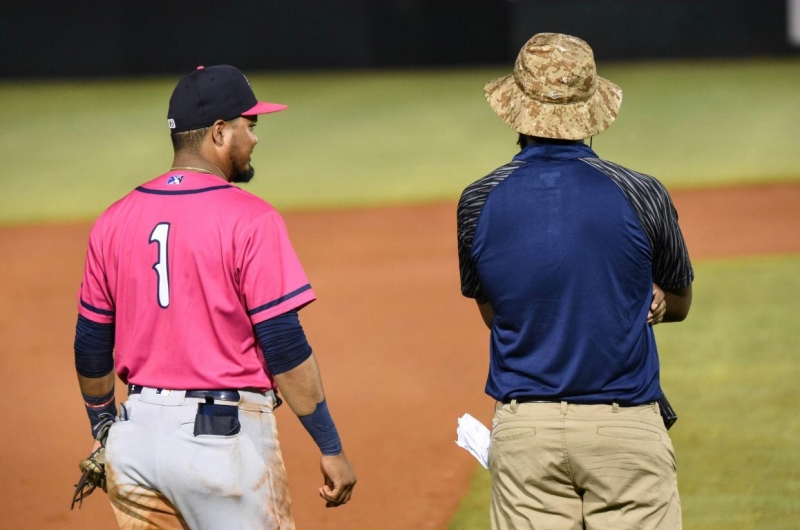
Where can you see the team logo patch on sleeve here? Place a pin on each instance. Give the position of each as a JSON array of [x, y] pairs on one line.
[[175, 179]]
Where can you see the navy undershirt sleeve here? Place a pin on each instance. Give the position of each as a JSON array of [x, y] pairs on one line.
[[94, 348], [283, 342], [285, 347]]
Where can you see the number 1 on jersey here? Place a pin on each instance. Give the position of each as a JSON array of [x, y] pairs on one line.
[[160, 234]]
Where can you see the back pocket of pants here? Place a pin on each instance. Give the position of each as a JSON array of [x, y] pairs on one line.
[[510, 432], [629, 433], [216, 420]]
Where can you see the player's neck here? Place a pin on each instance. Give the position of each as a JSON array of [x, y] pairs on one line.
[[196, 163]]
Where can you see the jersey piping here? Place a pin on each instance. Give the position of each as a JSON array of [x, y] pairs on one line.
[[97, 310], [280, 300], [182, 192]]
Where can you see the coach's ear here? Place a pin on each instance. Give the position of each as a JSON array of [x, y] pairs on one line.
[[219, 132]]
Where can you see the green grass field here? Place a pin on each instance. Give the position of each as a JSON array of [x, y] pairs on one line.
[[71, 148], [731, 371]]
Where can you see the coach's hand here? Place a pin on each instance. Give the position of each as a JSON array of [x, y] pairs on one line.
[[658, 307], [339, 480]]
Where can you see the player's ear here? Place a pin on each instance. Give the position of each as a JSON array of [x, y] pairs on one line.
[[219, 131]]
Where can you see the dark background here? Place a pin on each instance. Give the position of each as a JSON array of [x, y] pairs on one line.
[[92, 38]]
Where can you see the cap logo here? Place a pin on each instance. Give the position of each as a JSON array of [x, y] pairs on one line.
[[171, 123]]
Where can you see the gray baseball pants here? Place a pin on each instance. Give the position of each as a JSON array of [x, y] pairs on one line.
[[162, 476]]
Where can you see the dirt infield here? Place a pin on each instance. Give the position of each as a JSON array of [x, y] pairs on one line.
[[402, 353]]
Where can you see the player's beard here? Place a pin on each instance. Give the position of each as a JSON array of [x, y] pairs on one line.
[[240, 174], [244, 175]]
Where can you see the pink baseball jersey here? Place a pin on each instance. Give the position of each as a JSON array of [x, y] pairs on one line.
[[184, 266]]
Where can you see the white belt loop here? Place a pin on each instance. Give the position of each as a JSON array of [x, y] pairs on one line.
[[564, 408], [615, 407], [514, 406]]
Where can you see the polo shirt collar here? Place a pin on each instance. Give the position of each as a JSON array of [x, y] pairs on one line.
[[555, 152]]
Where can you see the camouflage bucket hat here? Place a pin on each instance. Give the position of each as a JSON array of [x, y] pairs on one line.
[[555, 91]]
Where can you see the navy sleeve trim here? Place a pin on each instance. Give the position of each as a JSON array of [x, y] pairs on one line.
[[280, 300], [182, 192], [283, 342], [97, 310]]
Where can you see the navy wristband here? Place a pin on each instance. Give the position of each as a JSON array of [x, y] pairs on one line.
[[320, 426], [98, 407]]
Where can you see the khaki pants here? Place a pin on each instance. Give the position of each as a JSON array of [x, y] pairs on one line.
[[559, 466]]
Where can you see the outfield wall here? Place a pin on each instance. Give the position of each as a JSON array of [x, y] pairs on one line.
[[86, 38]]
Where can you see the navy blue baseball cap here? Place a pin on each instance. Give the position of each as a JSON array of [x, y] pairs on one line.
[[213, 93]]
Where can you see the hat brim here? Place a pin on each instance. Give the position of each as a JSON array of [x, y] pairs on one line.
[[565, 121], [264, 108]]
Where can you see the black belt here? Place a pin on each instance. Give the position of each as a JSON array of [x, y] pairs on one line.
[[221, 395]]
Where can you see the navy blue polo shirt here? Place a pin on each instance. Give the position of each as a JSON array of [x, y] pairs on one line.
[[565, 248]]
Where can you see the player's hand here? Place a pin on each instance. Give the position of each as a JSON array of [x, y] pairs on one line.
[[339, 480], [658, 307]]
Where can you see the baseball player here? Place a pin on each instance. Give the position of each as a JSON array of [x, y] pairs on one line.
[[561, 250], [195, 286]]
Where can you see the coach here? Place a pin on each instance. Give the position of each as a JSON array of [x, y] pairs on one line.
[[561, 251]]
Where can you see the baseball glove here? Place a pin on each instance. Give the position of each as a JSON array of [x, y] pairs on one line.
[[93, 468]]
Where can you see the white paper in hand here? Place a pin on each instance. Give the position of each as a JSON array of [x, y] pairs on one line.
[[475, 438]]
